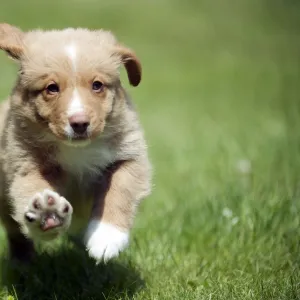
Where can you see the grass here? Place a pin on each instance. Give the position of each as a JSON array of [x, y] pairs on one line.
[[220, 106]]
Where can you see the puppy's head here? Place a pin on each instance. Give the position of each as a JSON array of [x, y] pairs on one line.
[[69, 82]]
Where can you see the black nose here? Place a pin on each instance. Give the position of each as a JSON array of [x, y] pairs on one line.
[[79, 123], [80, 128]]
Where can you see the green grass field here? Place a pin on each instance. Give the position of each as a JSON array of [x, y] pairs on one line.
[[220, 105]]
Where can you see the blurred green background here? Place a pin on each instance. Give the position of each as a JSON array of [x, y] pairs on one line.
[[219, 101]]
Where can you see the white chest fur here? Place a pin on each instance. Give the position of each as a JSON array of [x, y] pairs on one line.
[[88, 159]]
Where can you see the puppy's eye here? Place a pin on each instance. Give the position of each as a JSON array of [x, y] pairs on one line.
[[97, 86], [52, 88]]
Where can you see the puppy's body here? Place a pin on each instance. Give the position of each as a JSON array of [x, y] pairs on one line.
[[73, 156]]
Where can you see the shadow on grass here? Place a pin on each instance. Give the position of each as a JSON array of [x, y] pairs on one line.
[[70, 274]]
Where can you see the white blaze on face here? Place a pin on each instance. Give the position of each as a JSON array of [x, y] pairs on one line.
[[71, 53], [75, 105]]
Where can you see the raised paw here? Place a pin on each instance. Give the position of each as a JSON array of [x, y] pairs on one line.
[[104, 241], [48, 214]]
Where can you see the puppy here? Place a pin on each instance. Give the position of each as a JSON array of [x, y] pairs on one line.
[[73, 155]]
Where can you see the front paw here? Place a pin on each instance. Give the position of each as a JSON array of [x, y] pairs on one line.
[[104, 241], [48, 214]]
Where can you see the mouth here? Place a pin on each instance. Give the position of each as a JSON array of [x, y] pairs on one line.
[[77, 141], [80, 137]]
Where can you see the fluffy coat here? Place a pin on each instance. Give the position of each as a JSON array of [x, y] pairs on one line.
[[73, 157]]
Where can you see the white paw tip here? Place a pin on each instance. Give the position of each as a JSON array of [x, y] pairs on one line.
[[105, 241]]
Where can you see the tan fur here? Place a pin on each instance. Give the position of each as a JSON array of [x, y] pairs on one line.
[[104, 176]]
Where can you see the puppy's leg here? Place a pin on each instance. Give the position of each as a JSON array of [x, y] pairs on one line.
[[37, 207], [114, 209], [20, 247]]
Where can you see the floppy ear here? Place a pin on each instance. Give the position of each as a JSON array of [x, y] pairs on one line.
[[131, 63], [11, 40]]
